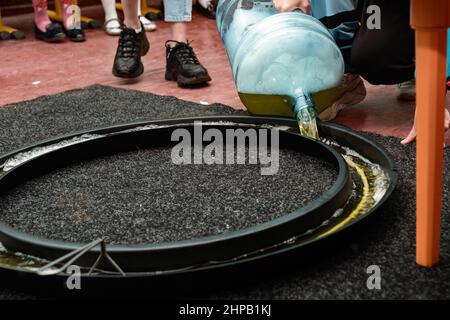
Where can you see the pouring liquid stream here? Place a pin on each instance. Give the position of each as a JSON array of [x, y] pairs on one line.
[[306, 115], [283, 105], [308, 128]]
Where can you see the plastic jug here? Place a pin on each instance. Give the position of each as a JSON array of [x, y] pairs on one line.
[[285, 64]]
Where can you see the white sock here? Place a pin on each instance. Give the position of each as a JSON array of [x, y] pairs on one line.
[[139, 8], [110, 9]]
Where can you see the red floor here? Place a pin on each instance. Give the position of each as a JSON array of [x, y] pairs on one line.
[[31, 68]]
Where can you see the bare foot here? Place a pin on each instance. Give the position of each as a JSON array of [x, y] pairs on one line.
[[413, 134]]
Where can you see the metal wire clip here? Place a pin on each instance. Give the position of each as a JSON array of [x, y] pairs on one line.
[[73, 256]]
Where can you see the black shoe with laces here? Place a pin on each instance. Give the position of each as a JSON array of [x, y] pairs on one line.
[[132, 45], [183, 65]]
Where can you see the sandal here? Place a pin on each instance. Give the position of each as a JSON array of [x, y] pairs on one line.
[[110, 29], [148, 24]]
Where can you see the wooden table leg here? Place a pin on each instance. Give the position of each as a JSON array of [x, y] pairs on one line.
[[430, 18], [431, 75]]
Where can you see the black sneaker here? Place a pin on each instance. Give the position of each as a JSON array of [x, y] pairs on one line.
[[53, 33], [132, 45], [183, 65]]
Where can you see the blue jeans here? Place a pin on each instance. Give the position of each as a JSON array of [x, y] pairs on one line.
[[177, 10]]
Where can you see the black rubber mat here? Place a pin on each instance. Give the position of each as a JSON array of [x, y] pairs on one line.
[[388, 242]]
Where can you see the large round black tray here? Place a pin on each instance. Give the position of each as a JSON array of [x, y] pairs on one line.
[[135, 259]]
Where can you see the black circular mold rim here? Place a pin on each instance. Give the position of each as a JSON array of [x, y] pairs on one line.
[[180, 254], [183, 260]]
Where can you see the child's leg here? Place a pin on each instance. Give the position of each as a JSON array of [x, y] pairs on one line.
[[148, 24], [179, 31], [112, 23], [71, 16], [182, 65], [179, 12], [130, 10], [40, 14], [110, 9]]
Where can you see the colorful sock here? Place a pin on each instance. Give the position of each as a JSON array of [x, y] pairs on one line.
[[41, 18], [70, 14]]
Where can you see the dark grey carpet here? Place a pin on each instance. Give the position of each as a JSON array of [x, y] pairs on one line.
[[389, 242], [142, 197]]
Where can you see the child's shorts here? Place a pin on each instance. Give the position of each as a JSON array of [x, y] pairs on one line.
[[177, 10]]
